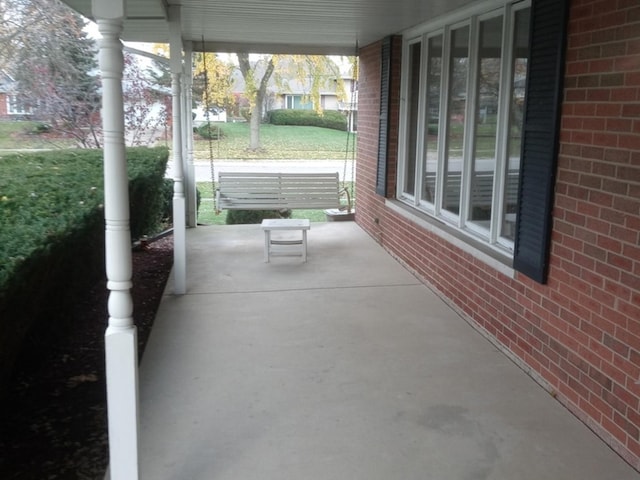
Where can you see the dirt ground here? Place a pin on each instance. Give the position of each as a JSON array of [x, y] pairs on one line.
[[53, 424]]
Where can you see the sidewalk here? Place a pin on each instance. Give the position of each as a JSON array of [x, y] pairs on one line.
[[342, 368]]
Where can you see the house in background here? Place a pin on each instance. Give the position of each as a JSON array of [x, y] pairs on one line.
[[295, 95], [12, 106], [291, 93]]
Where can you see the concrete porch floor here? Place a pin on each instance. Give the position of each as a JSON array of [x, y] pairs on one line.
[[345, 367]]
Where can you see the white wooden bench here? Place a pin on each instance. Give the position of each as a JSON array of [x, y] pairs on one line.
[[277, 191]]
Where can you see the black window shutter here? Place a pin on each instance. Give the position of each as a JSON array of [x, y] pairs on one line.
[[383, 132], [540, 137]]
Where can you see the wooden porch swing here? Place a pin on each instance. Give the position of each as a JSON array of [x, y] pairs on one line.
[[276, 191]]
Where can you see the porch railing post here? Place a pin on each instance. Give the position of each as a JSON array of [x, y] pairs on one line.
[[121, 335], [179, 203], [190, 188]]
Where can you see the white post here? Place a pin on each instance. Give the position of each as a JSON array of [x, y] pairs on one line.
[[179, 204], [190, 188], [121, 349]]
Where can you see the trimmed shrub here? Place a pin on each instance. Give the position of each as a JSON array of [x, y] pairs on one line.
[[210, 131], [52, 234], [147, 167], [328, 119], [167, 200], [235, 217], [41, 127]]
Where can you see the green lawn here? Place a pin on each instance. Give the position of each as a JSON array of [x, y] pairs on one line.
[[278, 142], [20, 135]]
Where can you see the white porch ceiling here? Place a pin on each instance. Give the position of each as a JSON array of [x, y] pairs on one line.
[[277, 26]]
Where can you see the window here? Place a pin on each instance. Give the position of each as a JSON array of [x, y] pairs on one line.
[[298, 102], [462, 118], [17, 106]]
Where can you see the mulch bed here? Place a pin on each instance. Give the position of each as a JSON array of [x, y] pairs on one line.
[[53, 423]]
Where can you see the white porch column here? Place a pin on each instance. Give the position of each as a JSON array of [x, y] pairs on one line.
[[179, 203], [190, 177], [121, 337]]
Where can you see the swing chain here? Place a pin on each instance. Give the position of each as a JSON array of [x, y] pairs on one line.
[[207, 105], [350, 133]]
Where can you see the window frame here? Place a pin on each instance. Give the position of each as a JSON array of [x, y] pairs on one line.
[[22, 109], [491, 235], [290, 99]]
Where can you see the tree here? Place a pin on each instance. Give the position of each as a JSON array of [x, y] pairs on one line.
[[316, 72], [212, 81], [20, 20], [56, 68], [159, 71], [255, 90], [145, 104]]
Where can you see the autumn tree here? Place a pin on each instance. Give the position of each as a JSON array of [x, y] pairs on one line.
[[314, 73], [256, 78], [159, 71], [19, 21], [212, 82], [55, 66], [145, 104]]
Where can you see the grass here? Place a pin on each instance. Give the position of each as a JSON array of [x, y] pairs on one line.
[[278, 142], [22, 135]]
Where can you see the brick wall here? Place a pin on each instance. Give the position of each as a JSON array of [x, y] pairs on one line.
[[371, 207], [3, 105], [579, 335]]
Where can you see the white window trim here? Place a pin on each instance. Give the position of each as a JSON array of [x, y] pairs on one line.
[[11, 101], [443, 26]]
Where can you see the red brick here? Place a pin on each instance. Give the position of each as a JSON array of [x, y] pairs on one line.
[[600, 65], [613, 400], [628, 205], [626, 425], [625, 396], [629, 141], [619, 125], [624, 94], [631, 110], [619, 347], [598, 95]]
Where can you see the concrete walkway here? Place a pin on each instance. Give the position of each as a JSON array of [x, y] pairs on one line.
[[342, 368]]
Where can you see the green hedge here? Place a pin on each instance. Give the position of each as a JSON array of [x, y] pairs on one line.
[[328, 119], [210, 131], [52, 234], [240, 217]]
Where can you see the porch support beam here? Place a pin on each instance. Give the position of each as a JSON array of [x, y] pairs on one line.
[[179, 202], [190, 177], [121, 336]]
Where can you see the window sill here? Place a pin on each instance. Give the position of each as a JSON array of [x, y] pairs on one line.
[[494, 258]]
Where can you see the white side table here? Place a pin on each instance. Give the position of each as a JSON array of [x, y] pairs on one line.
[[275, 224]]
